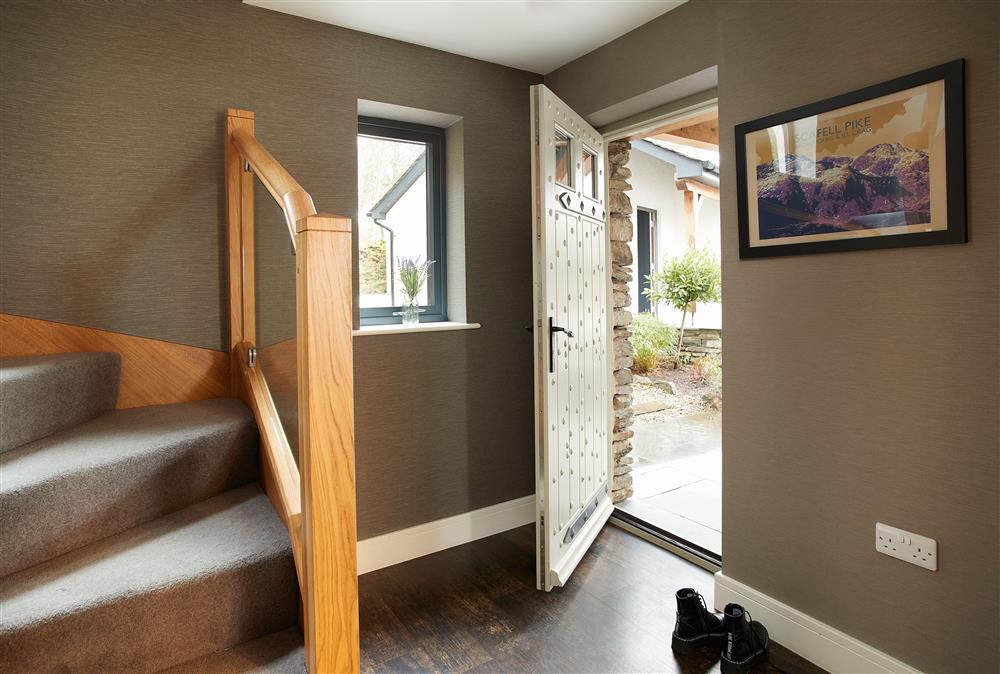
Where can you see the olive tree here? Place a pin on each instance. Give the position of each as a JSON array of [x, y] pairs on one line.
[[692, 277]]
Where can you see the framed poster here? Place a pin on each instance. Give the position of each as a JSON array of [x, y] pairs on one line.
[[880, 167]]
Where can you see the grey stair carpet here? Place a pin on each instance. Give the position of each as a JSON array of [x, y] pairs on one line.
[[200, 580], [40, 395], [131, 539], [279, 653], [119, 470]]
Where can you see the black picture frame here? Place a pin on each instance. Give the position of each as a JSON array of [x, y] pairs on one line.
[[952, 74]]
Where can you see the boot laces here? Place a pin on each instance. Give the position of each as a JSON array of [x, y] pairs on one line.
[[754, 639], [701, 616]]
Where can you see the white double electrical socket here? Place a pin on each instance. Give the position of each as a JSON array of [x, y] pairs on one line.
[[907, 546]]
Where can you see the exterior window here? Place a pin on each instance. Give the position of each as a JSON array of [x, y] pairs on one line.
[[589, 174], [646, 253], [400, 197], [564, 158]]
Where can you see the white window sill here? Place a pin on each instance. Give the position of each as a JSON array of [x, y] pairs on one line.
[[398, 329]]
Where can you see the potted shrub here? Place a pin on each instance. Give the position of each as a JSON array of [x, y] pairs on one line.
[[692, 277]]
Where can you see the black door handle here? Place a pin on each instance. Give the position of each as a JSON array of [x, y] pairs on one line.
[[553, 329], [556, 328]]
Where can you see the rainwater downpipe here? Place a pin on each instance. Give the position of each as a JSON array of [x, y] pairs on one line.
[[391, 255]]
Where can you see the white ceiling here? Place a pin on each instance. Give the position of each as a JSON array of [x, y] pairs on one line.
[[534, 35]]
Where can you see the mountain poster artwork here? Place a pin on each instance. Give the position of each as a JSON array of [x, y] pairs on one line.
[[874, 168]]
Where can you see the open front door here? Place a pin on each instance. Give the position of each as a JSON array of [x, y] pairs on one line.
[[572, 331]]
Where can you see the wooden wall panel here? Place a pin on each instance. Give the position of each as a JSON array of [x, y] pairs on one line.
[[153, 372]]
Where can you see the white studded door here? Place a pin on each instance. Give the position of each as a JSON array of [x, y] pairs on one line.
[[572, 335]]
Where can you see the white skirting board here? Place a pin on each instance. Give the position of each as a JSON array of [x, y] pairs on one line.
[[399, 546], [817, 642]]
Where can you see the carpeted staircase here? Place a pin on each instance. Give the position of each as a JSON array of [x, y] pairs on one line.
[[135, 539]]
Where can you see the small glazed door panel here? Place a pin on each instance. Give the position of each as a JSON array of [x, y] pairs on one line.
[[572, 333]]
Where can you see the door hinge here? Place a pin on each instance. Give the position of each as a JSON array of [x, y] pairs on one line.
[[251, 357]]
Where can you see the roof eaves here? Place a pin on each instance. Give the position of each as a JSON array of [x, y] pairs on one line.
[[399, 188]]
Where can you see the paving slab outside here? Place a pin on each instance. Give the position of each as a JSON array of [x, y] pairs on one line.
[[677, 475]]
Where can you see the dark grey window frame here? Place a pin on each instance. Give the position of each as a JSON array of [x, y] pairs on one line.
[[433, 138], [645, 253]]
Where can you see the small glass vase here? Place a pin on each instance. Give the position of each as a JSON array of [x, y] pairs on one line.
[[411, 313]]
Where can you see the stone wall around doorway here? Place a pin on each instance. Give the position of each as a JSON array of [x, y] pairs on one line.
[[620, 211]]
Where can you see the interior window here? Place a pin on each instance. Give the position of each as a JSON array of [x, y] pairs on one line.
[[400, 185]]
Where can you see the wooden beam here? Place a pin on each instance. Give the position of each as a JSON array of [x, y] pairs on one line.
[[326, 442], [703, 134], [679, 140], [679, 123], [689, 222], [686, 184]]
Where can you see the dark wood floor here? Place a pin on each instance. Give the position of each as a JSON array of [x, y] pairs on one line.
[[475, 608]]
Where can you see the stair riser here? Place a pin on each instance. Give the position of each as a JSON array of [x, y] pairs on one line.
[[46, 394], [154, 631], [49, 519], [281, 652]]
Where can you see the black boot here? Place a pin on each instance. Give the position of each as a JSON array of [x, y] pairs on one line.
[[696, 626], [746, 641]]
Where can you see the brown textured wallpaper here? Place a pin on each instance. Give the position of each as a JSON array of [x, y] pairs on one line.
[[112, 213], [859, 387]]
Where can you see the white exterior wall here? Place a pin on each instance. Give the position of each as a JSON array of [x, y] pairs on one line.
[[653, 188], [408, 219]]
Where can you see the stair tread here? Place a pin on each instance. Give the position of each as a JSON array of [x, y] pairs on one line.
[[240, 524], [120, 436], [119, 470], [41, 395], [137, 599], [282, 652]]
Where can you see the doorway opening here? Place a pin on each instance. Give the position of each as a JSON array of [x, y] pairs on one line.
[[669, 411]]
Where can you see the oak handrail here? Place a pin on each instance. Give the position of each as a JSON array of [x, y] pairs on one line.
[[295, 202], [315, 498]]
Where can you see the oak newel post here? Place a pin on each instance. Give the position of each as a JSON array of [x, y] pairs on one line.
[[326, 434]]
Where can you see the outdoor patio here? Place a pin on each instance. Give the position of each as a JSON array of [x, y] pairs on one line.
[[677, 475]]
